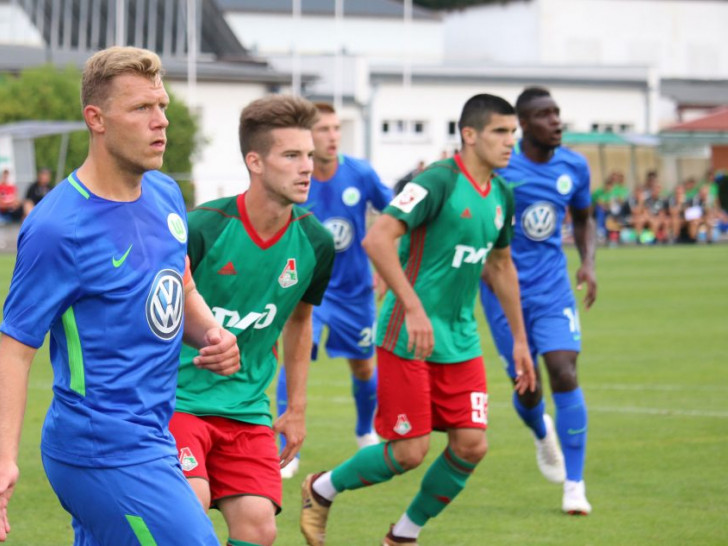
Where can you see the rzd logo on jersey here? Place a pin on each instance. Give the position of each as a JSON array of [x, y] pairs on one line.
[[231, 319], [165, 304], [342, 231], [470, 255], [539, 221]]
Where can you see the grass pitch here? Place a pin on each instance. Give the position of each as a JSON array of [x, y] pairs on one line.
[[657, 466]]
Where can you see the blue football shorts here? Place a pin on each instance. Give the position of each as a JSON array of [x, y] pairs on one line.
[[551, 320], [144, 504], [351, 327]]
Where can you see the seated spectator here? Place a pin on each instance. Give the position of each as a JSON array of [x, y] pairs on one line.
[[700, 216], [676, 207], [11, 209], [37, 190], [657, 212]]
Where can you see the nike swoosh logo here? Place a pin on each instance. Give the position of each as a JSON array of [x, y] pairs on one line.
[[576, 431], [516, 184], [117, 263]]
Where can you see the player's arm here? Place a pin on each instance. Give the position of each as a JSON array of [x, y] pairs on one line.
[[503, 279], [15, 361], [297, 340], [218, 348], [380, 244], [586, 243]]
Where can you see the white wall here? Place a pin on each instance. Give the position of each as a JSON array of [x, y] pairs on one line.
[[438, 104], [218, 168], [16, 28], [380, 39]]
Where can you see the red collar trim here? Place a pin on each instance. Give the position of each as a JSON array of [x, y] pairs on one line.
[[256, 238], [482, 191]]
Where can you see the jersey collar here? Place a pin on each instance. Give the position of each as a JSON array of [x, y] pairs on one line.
[[484, 191]]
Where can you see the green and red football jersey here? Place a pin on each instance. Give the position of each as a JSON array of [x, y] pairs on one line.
[[452, 225], [252, 286]]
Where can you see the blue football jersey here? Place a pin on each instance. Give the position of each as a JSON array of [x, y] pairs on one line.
[[106, 279], [340, 204], [543, 191]]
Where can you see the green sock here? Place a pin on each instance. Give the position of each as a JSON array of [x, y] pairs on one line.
[[443, 481], [233, 542], [371, 465]]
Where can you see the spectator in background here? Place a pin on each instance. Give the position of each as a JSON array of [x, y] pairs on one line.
[[11, 209], [402, 182], [657, 212], [37, 190], [676, 210], [700, 216]]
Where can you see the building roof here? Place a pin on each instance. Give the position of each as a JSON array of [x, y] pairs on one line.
[[695, 93], [716, 121], [357, 8]]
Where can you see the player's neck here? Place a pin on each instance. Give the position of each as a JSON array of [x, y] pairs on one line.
[[536, 152], [267, 215], [106, 180], [479, 172], [324, 170]]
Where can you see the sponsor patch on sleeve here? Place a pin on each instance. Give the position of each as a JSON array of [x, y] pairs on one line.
[[408, 198]]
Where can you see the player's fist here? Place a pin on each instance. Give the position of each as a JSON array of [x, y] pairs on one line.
[[220, 354]]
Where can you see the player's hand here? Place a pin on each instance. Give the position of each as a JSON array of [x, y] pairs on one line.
[[8, 478], [586, 274], [292, 424], [525, 373], [380, 287], [220, 353], [421, 338]]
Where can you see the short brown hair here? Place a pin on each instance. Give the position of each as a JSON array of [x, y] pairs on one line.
[[105, 65], [324, 108], [261, 116]]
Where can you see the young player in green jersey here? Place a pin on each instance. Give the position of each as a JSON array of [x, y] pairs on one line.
[[261, 263], [450, 218]]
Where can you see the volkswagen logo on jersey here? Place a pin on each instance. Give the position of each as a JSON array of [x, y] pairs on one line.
[[351, 196], [342, 231], [539, 221], [165, 304], [564, 184]]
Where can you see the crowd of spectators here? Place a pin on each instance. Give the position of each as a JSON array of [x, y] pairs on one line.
[[691, 212], [13, 208]]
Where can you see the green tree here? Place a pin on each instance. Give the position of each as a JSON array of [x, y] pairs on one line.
[[52, 94]]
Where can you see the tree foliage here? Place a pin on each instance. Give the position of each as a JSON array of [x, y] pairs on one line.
[[48, 93], [456, 4]]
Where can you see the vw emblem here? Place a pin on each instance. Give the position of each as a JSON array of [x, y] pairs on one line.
[[539, 221], [165, 304], [342, 231]]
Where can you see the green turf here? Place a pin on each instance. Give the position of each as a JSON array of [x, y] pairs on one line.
[[657, 465]]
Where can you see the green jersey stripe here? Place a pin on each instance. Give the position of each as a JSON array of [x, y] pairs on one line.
[[78, 187], [141, 531], [75, 354]]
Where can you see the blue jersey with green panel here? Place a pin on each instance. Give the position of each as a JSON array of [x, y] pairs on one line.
[[340, 204], [106, 279], [542, 192]]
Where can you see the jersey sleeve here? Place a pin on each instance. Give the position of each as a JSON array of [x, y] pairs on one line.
[[378, 194], [506, 233], [323, 246], [45, 283], [582, 196], [421, 200]]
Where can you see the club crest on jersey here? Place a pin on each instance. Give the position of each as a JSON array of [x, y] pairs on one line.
[[342, 231], [539, 221], [289, 277], [165, 304], [351, 196], [177, 227], [498, 220], [403, 425], [564, 184], [408, 198], [187, 459]]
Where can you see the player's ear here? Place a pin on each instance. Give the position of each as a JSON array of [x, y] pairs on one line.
[[94, 118], [468, 135], [254, 162]]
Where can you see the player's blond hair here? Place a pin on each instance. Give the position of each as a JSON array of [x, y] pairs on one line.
[[261, 116], [101, 68]]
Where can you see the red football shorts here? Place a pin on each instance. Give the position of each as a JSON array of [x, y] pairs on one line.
[[236, 458], [416, 397]]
